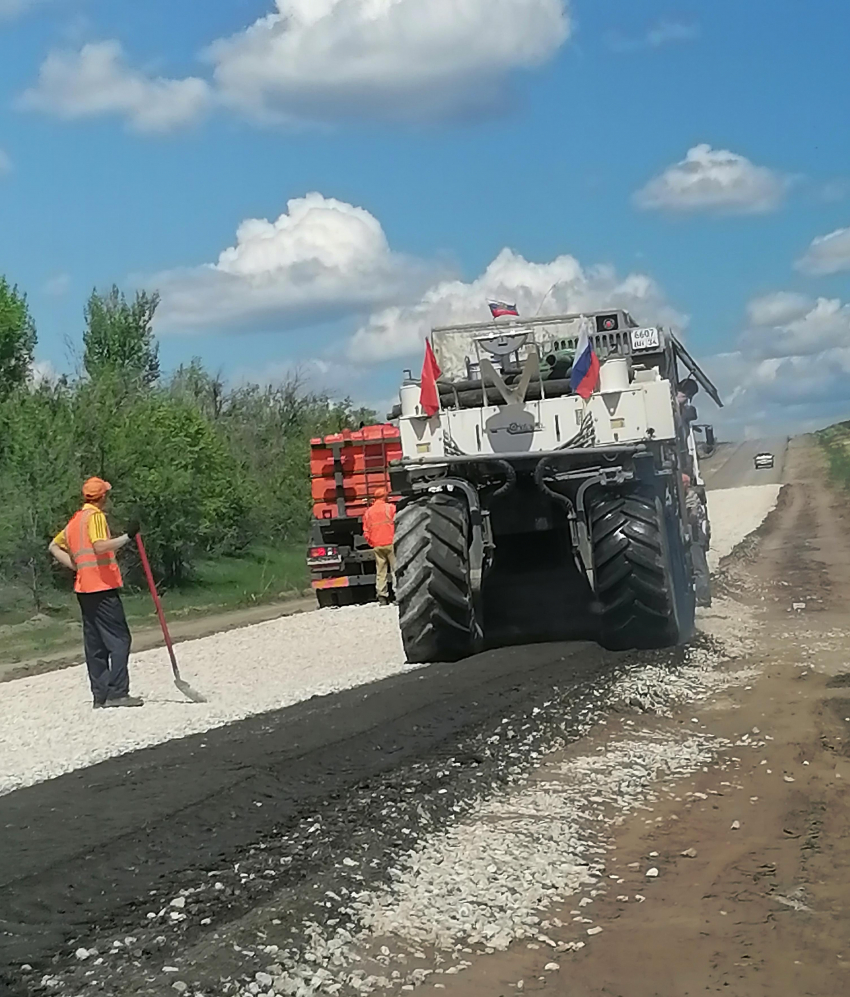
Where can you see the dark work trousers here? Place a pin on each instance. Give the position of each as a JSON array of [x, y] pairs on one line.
[[106, 638]]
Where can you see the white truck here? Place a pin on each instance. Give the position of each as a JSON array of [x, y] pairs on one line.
[[528, 513]]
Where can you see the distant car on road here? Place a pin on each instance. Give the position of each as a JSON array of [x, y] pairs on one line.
[[763, 461]]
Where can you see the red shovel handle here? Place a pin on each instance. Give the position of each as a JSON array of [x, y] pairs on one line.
[[156, 601]]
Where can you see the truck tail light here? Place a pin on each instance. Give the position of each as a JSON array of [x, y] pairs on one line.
[[324, 555]]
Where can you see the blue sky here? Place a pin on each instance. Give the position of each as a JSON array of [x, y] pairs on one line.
[[435, 144]]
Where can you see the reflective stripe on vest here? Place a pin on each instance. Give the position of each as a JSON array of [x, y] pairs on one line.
[[95, 572]]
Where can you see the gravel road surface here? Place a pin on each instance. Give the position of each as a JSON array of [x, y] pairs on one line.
[[268, 829]]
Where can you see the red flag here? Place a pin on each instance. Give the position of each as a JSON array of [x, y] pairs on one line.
[[429, 397]]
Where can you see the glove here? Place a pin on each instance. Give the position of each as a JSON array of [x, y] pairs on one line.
[[133, 528]]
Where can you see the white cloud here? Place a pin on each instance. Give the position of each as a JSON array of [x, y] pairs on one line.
[[97, 80], [560, 286], [321, 259], [5, 163], [791, 369], [662, 33], [801, 331], [827, 253], [320, 59], [58, 285], [43, 372], [714, 180], [777, 308], [13, 8]]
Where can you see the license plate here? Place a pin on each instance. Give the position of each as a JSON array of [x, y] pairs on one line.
[[645, 339]]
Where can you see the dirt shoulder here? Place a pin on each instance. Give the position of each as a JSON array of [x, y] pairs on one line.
[[145, 638], [751, 896]]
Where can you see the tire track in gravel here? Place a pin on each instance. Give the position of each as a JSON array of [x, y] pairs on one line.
[[86, 855]]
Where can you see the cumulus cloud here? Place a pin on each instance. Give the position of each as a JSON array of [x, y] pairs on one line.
[[560, 286], [714, 180], [777, 308], [13, 8], [664, 32], [321, 259], [97, 80], [827, 253], [319, 59], [790, 369], [813, 328], [43, 372]]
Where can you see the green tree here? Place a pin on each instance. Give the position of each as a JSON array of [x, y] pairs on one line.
[[118, 337], [40, 483], [168, 463], [17, 338]]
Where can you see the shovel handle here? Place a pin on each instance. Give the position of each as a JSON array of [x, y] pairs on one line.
[[156, 601]]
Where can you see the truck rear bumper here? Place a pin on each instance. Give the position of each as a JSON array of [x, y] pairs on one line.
[[344, 582]]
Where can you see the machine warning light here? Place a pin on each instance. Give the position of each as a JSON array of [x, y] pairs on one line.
[[607, 323]]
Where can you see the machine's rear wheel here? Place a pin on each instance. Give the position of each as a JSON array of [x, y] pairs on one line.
[[643, 575], [436, 607]]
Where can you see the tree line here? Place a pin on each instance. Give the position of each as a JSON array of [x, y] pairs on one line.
[[209, 469]]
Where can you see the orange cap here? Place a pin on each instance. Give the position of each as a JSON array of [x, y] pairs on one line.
[[95, 488], [380, 493]]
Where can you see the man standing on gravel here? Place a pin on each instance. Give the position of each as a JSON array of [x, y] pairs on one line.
[[379, 530], [86, 548]]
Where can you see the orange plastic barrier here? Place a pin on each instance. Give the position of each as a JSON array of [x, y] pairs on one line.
[[346, 469]]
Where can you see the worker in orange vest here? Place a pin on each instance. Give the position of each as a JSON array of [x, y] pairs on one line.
[[87, 548], [379, 530]]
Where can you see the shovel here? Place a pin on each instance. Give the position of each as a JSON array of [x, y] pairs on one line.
[[183, 686]]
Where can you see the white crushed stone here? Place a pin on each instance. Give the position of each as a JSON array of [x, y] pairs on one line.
[[735, 513], [49, 726], [488, 881]]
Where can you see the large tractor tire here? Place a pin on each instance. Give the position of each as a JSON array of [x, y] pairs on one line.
[[436, 607], [643, 572]]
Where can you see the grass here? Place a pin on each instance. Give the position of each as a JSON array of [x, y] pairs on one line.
[[262, 575], [835, 441]]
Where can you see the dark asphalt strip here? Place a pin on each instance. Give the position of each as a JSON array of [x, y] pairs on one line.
[[87, 854]]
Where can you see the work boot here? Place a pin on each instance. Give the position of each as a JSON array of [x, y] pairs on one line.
[[98, 705], [125, 701], [383, 600]]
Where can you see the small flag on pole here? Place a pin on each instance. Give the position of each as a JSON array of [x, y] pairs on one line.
[[500, 308], [585, 372], [429, 396]]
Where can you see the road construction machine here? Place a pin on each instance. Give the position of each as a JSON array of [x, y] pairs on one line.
[[528, 512]]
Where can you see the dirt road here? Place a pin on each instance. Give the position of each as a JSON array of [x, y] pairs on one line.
[[763, 905], [197, 859]]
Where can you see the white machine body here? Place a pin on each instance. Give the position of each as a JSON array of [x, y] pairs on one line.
[[623, 411]]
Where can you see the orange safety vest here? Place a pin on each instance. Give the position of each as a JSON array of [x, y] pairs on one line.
[[95, 572], [379, 524]]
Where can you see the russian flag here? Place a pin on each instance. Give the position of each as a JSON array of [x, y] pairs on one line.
[[500, 308], [585, 372]]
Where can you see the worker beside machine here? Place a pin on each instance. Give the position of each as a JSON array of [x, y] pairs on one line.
[[87, 548], [379, 531]]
